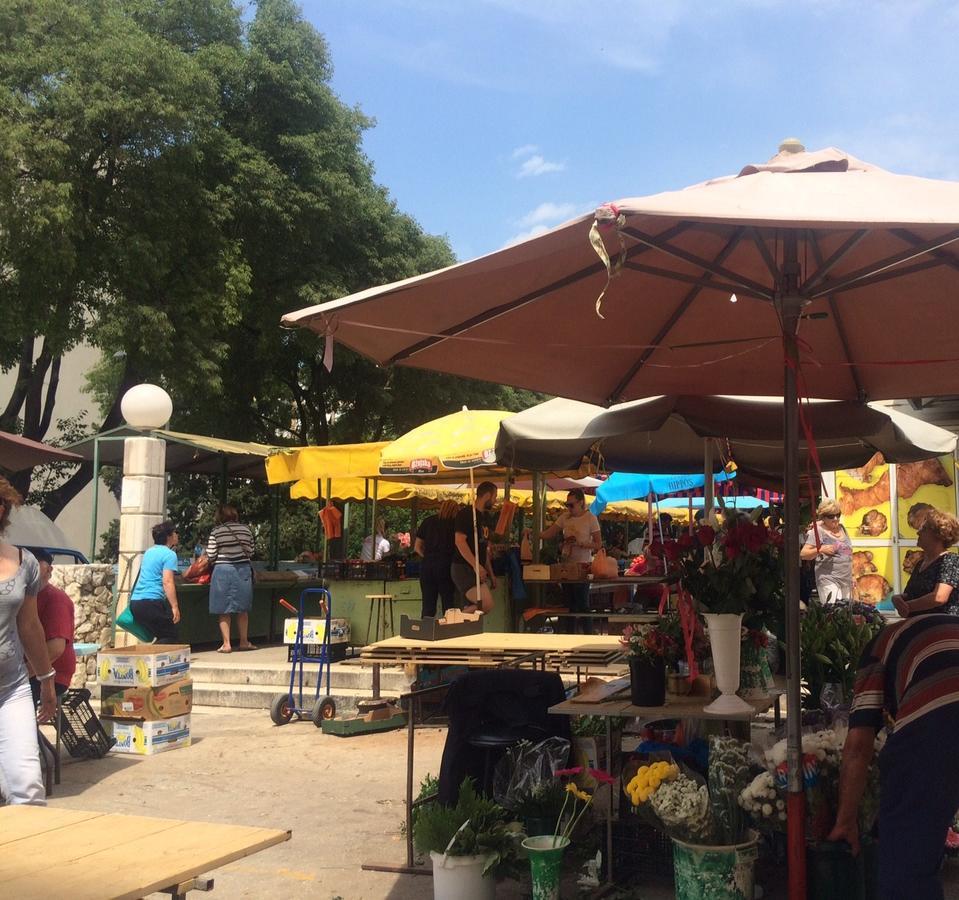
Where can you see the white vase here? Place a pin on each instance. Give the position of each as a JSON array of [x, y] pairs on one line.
[[461, 878], [725, 641]]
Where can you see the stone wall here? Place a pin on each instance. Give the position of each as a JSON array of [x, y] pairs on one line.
[[91, 590]]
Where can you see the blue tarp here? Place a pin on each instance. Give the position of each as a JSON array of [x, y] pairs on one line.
[[637, 486]]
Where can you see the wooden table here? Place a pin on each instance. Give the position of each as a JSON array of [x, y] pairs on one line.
[[50, 852]]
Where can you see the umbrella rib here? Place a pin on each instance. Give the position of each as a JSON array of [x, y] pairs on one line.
[[765, 254], [889, 274], [914, 239], [837, 318], [671, 322], [826, 267], [508, 307], [664, 246], [703, 281], [890, 262]]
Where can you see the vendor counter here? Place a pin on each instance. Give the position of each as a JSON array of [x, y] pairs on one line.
[[197, 626]]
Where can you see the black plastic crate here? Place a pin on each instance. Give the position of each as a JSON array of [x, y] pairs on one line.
[[332, 570], [337, 651], [639, 850], [81, 731]]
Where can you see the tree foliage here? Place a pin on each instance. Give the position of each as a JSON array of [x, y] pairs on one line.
[[173, 179]]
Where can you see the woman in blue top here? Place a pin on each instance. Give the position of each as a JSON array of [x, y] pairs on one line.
[[21, 639], [153, 601]]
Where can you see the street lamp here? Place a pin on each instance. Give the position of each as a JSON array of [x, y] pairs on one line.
[[143, 495]]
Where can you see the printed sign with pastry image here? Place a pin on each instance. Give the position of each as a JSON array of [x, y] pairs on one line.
[[921, 486], [864, 498], [872, 572]]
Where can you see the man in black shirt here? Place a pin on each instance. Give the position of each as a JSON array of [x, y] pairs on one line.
[[434, 544], [468, 560]]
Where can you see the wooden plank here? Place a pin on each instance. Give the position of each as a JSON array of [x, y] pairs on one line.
[[598, 691], [21, 822], [75, 843], [133, 868]]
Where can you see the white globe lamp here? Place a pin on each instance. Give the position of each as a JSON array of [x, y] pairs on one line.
[[146, 406]]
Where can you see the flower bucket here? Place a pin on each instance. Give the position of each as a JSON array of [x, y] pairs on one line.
[[647, 681], [461, 878], [725, 642], [715, 873], [546, 864], [755, 675], [833, 873]]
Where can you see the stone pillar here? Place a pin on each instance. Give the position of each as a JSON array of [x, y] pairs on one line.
[[142, 505]]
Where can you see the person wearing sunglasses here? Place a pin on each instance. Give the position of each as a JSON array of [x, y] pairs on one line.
[[581, 539], [832, 553]]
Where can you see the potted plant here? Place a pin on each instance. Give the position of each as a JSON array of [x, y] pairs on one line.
[[469, 843], [646, 648], [832, 639], [736, 579]]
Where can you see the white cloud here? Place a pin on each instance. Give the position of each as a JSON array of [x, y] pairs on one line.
[[525, 150], [547, 215], [550, 214], [538, 165], [535, 231]]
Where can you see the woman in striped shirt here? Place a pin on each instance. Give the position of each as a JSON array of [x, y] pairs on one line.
[[230, 550]]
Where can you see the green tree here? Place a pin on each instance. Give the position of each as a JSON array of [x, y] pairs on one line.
[[173, 180]]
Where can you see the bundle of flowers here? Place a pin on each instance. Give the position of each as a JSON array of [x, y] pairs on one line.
[[764, 798], [738, 571], [682, 808], [648, 780], [648, 642], [765, 803]]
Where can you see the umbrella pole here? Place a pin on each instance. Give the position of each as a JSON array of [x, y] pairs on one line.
[[791, 305], [479, 599]]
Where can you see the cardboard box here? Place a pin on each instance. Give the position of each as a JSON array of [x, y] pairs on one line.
[[590, 753], [567, 571], [535, 572], [314, 630], [431, 630], [144, 665], [146, 738], [148, 703]]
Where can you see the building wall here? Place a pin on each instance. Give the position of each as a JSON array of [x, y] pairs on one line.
[[75, 520]]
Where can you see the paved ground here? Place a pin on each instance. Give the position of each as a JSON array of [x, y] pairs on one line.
[[342, 798]]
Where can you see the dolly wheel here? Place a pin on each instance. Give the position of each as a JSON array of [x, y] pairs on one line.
[[280, 710], [324, 708]]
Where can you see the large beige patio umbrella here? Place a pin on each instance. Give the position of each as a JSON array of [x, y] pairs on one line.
[[845, 279], [666, 434]]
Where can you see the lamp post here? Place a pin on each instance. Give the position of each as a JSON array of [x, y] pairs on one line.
[[143, 494]]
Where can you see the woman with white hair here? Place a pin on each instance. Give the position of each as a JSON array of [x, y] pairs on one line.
[[832, 553]]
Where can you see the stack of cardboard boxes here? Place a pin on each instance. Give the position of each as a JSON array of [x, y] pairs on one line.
[[146, 695]]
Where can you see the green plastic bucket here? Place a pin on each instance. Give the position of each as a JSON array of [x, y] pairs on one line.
[[715, 873], [833, 873], [546, 864]]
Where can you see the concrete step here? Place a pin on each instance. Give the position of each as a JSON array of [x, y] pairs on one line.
[[257, 696], [342, 677]]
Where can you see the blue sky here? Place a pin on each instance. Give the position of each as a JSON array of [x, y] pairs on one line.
[[496, 118]]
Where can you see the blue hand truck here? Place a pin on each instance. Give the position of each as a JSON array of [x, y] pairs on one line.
[[292, 703]]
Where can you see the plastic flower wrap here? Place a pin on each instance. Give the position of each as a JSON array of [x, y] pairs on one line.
[[728, 777]]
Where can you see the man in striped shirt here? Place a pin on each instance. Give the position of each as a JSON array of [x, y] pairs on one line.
[[909, 674]]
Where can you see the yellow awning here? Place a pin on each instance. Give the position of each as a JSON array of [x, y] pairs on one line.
[[313, 463]]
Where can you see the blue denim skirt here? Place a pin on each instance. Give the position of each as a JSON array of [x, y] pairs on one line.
[[231, 589]]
